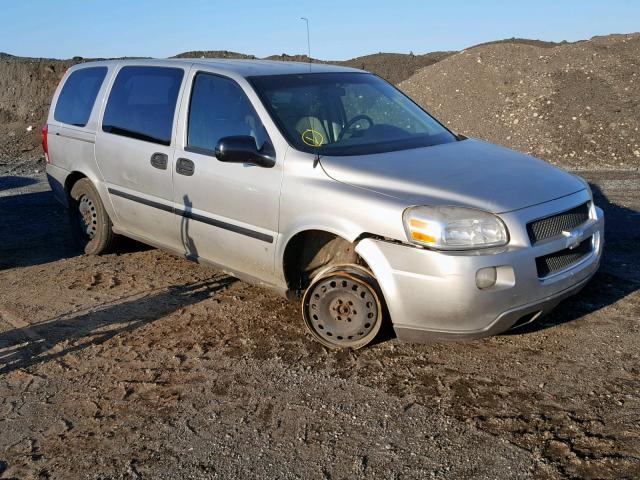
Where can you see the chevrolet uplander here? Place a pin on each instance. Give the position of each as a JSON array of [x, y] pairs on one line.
[[326, 184]]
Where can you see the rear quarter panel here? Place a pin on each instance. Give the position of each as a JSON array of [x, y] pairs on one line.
[[72, 148]]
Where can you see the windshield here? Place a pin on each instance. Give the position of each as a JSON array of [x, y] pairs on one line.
[[346, 114]]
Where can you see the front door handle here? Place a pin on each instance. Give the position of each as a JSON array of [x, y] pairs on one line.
[[159, 160], [184, 166]]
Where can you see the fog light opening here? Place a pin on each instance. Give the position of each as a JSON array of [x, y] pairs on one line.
[[486, 277]]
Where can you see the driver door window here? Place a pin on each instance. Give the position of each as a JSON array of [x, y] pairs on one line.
[[219, 108]]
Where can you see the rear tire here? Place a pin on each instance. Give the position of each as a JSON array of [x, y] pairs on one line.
[[343, 307], [92, 226]]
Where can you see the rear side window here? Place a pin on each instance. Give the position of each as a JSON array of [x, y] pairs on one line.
[[78, 95], [219, 108], [142, 103]]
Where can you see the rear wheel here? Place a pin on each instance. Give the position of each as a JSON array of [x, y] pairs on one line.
[[342, 307], [92, 225]]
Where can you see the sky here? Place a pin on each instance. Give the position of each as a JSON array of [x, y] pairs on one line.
[[339, 29]]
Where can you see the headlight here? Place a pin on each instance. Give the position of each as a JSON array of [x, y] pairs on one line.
[[454, 228]]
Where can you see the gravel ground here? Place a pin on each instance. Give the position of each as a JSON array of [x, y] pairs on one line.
[[144, 365]]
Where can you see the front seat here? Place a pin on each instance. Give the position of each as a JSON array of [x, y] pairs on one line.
[[313, 123]]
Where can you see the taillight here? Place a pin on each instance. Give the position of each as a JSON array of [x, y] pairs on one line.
[[45, 143]]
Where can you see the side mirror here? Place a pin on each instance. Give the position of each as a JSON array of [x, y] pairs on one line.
[[242, 149]]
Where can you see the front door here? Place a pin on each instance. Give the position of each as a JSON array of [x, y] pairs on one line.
[[135, 154], [228, 212]]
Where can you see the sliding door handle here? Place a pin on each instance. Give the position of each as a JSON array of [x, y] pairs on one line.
[[184, 166]]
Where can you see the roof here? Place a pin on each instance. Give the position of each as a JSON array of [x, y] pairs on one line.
[[241, 67], [247, 68]]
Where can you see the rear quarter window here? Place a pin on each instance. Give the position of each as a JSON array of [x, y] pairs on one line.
[[78, 95], [142, 103]]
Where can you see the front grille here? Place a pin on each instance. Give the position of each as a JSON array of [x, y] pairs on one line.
[[554, 225], [562, 259]]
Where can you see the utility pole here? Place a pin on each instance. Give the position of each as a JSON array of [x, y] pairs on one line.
[[308, 38]]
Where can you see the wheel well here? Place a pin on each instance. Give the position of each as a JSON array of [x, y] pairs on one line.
[[311, 251], [71, 180]]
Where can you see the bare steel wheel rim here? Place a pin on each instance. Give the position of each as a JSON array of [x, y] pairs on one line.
[[342, 310], [88, 216]]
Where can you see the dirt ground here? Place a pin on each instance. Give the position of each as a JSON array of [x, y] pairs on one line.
[[144, 365]]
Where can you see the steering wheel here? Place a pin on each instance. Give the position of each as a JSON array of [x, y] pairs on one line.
[[352, 122]]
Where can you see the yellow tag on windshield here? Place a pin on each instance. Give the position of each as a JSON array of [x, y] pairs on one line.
[[313, 138]]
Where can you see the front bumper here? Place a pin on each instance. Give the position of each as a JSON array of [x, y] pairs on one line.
[[433, 295]]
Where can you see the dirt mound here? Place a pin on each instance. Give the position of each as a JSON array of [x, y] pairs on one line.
[[523, 41], [395, 67], [26, 88], [576, 104], [213, 54]]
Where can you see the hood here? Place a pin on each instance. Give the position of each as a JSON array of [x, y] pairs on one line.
[[468, 173]]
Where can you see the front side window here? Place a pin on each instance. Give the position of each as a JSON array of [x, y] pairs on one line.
[[78, 95], [219, 108], [346, 114], [142, 103]]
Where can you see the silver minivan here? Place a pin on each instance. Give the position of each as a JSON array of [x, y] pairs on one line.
[[326, 184]]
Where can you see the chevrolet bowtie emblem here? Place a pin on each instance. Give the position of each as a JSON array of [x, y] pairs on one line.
[[573, 239]]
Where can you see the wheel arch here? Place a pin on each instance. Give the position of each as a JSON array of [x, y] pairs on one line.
[[311, 250], [72, 179], [75, 175]]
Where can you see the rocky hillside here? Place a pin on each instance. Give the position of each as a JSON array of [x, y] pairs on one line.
[[573, 104]]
